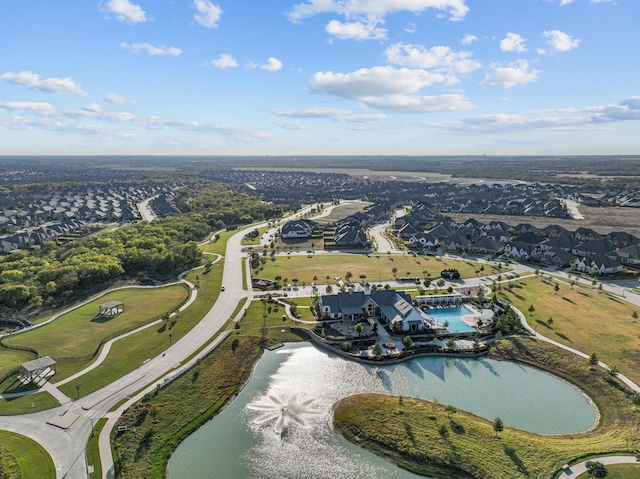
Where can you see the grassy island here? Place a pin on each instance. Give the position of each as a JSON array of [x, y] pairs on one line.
[[434, 439]]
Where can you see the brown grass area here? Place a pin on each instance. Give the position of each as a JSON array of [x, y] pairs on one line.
[[583, 318], [602, 220]]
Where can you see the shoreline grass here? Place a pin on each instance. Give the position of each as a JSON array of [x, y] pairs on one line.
[[161, 420], [425, 437]]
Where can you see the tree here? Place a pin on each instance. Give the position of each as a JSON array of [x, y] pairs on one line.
[[556, 288], [613, 370], [498, 426], [636, 401], [593, 359], [377, 350], [634, 315], [329, 289], [451, 343], [407, 341], [596, 469], [550, 321], [394, 270], [532, 308], [358, 329]]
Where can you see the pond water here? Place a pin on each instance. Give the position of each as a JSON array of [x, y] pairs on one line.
[[454, 316], [232, 445]]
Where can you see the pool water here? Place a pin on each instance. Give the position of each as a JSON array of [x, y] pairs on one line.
[[454, 316]]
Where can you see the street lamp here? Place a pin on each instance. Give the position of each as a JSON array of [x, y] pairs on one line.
[[78, 390]]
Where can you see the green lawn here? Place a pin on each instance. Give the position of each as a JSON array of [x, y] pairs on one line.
[[618, 471], [93, 453], [78, 333], [10, 358], [128, 353], [20, 405], [264, 319], [375, 267], [32, 459], [583, 318]]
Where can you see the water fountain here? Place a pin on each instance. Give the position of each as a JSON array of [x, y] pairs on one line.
[[282, 409]]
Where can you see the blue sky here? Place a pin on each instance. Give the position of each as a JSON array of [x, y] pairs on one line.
[[319, 77]]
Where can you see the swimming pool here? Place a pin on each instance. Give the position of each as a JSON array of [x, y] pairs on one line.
[[454, 316]]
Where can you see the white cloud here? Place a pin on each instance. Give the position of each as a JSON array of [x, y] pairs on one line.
[[420, 104], [376, 81], [512, 43], [410, 28], [125, 11], [439, 58], [224, 61], [515, 73], [117, 99], [98, 114], [311, 112], [94, 107], [565, 2], [207, 14], [468, 39], [356, 31], [151, 50], [32, 107], [336, 114], [375, 9], [589, 118], [560, 41], [60, 86], [272, 65], [291, 125]]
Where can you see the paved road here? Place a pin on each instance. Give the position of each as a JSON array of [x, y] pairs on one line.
[[577, 469], [66, 447]]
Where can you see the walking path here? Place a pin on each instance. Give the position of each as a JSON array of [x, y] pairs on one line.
[[581, 467]]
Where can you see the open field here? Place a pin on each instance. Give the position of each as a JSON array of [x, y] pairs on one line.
[[376, 267], [128, 353], [584, 319], [162, 420], [364, 172], [602, 220], [342, 211], [30, 457], [78, 333], [428, 438]]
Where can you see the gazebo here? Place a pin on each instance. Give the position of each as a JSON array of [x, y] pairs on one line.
[[34, 368], [111, 308]]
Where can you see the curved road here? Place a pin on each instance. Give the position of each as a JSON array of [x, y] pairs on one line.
[[67, 446]]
